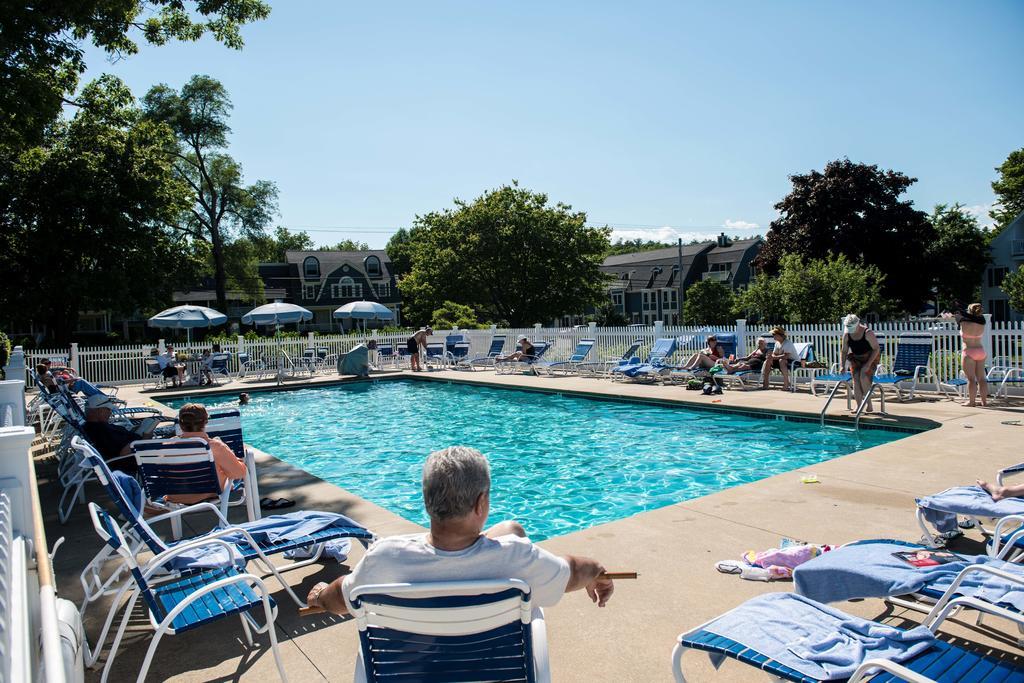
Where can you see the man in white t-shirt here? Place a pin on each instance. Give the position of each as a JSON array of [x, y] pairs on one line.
[[456, 494], [782, 357]]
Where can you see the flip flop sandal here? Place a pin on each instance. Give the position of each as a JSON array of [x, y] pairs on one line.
[[276, 503]]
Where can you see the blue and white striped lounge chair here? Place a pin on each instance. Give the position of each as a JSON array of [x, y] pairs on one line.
[[249, 548], [437, 354], [569, 366], [657, 364], [449, 631], [226, 424], [913, 351], [511, 367], [459, 353], [219, 367], [605, 366], [184, 603], [386, 355], [928, 658], [727, 343], [496, 348], [873, 569]]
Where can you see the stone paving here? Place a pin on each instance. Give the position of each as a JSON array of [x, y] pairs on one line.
[[868, 494]]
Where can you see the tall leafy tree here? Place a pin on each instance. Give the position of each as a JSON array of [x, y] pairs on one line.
[[347, 245], [42, 56], [958, 255], [708, 302], [510, 255], [224, 207], [815, 291], [1009, 189], [855, 210], [399, 249], [83, 217], [1013, 285]]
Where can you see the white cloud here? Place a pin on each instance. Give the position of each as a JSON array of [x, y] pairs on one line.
[[663, 234], [979, 211], [740, 225]]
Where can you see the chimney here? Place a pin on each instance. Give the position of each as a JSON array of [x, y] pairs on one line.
[[723, 241]]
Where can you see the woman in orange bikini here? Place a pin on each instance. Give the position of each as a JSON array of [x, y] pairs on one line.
[[972, 331]]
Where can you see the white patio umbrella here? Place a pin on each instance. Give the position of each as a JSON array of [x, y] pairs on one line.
[[277, 313], [364, 310], [187, 317]]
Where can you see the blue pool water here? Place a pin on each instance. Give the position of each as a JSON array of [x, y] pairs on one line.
[[559, 463]]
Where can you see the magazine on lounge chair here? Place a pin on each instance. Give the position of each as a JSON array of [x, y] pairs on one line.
[[927, 558]]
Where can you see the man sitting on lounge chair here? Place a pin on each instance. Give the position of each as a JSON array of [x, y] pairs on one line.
[[782, 357], [110, 440], [456, 494]]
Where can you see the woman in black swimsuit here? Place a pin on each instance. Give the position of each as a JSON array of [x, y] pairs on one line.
[[861, 353]]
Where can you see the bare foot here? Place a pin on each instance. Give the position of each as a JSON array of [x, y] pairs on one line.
[[995, 491]]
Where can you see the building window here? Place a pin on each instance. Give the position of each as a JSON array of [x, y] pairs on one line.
[[372, 265], [308, 291], [618, 300], [383, 289], [721, 267], [999, 308], [996, 275], [311, 268], [346, 288]]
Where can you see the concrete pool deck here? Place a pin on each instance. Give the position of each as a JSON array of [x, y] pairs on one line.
[[868, 494]]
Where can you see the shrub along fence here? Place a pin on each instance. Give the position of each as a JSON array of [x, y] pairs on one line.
[[126, 364]]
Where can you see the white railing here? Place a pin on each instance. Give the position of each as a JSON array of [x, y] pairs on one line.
[[127, 364]]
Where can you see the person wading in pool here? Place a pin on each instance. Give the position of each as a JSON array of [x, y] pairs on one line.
[[457, 496], [413, 345]]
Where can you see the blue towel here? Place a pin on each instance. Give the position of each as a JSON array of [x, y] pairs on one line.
[[941, 509], [868, 569], [131, 489], [815, 639]]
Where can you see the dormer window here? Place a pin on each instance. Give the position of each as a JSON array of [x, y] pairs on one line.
[[311, 268], [372, 265]]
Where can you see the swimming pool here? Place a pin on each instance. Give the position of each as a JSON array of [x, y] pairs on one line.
[[559, 463]]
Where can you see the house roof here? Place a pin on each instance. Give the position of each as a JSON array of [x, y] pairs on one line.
[[332, 260], [734, 252], [657, 256], [1013, 231]]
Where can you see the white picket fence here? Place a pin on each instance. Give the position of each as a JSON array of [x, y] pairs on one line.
[[126, 364]]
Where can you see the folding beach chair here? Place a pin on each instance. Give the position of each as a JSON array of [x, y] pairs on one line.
[[569, 366], [931, 660], [656, 366], [182, 604], [603, 367], [449, 631], [496, 348]]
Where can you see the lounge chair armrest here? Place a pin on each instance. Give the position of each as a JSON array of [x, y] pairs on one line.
[[1013, 469], [950, 593], [1008, 545], [933, 622], [195, 507], [999, 531], [921, 371], [869, 668]]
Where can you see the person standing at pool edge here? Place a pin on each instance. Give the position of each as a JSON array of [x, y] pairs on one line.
[[413, 345], [457, 497]]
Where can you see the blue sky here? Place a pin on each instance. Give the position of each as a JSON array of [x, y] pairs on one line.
[[658, 118]]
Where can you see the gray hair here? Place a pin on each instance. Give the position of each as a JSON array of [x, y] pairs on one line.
[[453, 479]]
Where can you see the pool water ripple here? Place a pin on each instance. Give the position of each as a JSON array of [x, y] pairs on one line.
[[559, 463]]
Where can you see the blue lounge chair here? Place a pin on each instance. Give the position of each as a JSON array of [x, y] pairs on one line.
[[437, 354], [182, 604], [566, 367], [494, 351], [226, 424], [913, 351], [386, 355], [938, 515], [656, 366], [449, 631], [927, 658], [727, 343], [605, 366], [249, 548], [219, 366]]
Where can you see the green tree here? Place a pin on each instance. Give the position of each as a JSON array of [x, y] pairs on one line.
[[958, 256], [83, 217], [272, 248], [1013, 285], [223, 206], [42, 56], [621, 246], [399, 249], [347, 245], [854, 210], [815, 291], [243, 256], [1009, 189], [451, 315], [509, 255], [608, 315], [708, 302]]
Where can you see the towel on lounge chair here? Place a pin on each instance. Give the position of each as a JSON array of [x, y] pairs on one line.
[[816, 640], [868, 569], [942, 509]]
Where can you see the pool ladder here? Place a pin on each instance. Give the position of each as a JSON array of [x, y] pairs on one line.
[[860, 407]]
